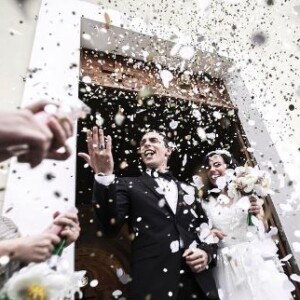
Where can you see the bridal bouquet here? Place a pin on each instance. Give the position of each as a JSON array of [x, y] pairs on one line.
[[246, 181], [42, 282]]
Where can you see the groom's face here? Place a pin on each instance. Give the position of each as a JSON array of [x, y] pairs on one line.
[[153, 151]]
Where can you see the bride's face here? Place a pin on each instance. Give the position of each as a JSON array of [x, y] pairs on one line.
[[216, 168]]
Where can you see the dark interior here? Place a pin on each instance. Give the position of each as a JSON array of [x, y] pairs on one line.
[[154, 113]]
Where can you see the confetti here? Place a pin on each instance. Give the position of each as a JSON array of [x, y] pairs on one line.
[[107, 21], [94, 283], [295, 277], [174, 246], [187, 52], [166, 77]]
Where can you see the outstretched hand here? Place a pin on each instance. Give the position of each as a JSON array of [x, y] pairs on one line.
[[99, 155]]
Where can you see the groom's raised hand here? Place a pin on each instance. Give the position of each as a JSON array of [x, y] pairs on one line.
[[99, 155]]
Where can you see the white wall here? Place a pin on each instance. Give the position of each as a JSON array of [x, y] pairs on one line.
[[17, 28]]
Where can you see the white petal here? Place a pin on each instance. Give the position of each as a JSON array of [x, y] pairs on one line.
[[244, 203], [296, 246], [186, 52], [287, 257], [221, 182], [295, 277], [174, 246], [189, 199], [197, 180]]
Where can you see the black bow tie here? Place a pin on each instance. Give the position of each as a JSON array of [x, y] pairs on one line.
[[166, 175]]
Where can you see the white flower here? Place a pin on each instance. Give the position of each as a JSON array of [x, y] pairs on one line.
[[232, 190], [249, 180], [39, 281]]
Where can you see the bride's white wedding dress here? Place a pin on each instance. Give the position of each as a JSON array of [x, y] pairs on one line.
[[247, 265]]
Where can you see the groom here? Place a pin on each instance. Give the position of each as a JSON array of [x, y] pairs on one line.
[[168, 259]]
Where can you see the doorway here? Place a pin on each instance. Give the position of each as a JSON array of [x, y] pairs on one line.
[[195, 113]]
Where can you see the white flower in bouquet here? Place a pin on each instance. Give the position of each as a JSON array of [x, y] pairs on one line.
[[263, 186], [41, 282], [248, 180]]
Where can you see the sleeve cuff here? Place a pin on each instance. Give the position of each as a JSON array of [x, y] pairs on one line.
[[105, 180]]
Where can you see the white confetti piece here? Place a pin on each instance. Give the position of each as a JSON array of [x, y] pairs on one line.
[[119, 119], [116, 293], [295, 277], [86, 36], [198, 182], [174, 246], [221, 182], [201, 133], [166, 77], [86, 79], [287, 257], [175, 49], [217, 115], [173, 124], [296, 246], [94, 283], [4, 260], [189, 199], [186, 52]]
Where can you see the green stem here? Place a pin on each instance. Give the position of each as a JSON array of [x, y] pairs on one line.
[[4, 297], [59, 248], [249, 219]]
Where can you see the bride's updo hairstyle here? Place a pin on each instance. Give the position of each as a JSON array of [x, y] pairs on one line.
[[230, 162]]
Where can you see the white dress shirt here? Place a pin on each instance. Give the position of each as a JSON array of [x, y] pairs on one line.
[[167, 188]]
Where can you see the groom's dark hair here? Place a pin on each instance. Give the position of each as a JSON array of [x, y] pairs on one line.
[[166, 140]]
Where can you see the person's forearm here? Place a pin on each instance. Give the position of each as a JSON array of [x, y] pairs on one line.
[[9, 248]]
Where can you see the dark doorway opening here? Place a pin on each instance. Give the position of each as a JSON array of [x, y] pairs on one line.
[[194, 130]]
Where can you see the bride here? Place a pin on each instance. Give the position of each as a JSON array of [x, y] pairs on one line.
[[248, 267]]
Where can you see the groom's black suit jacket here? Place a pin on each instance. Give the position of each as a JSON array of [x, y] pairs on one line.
[[155, 268]]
